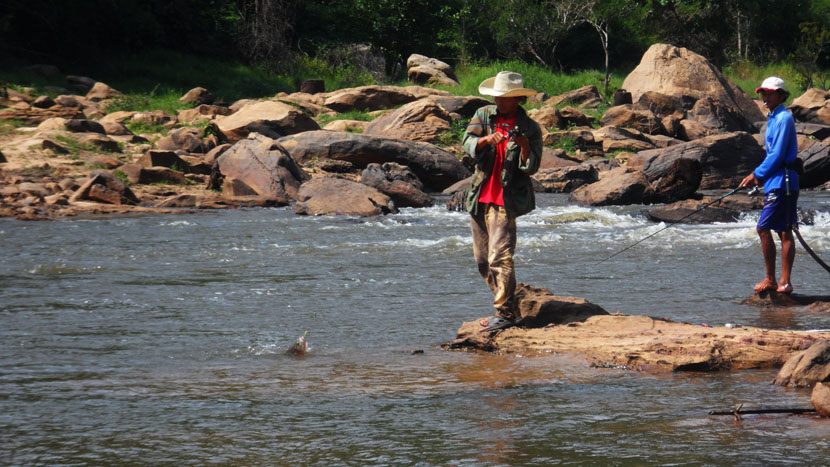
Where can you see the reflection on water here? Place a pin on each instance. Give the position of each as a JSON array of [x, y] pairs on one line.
[[162, 339]]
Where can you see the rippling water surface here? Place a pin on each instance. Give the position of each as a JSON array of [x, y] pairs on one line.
[[162, 339]]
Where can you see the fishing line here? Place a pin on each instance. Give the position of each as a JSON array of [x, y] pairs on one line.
[[673, 223]]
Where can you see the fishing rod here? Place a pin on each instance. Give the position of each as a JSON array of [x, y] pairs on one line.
[[673, 223]]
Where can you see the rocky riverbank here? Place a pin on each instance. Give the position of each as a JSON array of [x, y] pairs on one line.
[[662, 141]]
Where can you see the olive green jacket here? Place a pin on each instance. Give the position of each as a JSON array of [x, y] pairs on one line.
[[515, 176]]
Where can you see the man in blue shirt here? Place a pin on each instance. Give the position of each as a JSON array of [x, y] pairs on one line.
[[780, 181]]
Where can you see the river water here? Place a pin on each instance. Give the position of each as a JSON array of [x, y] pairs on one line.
[[161, 339]]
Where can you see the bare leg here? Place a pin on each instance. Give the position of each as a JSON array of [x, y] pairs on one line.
[[768, 249], [787, 260]]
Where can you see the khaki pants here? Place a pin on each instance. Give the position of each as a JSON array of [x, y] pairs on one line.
[[494, 242]]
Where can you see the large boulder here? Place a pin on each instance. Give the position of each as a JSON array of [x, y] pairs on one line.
[[336, 196], [417, 121], [618, 186], [263, 165], [365, 98], [397, 182], [725, 159], [816, 161], [806, 368], [436, 168], [279, 118], [683, 74], [812, 106], [425, 70]]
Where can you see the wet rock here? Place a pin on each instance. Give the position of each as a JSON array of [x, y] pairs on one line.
[[816, 162], [806, 368], [539, 307], [397, 182], [197, 96], [820, 398], [334, 196], [646, 344], [264, 165], [104, 187], [773, 299], [436, 168], [276, 117]]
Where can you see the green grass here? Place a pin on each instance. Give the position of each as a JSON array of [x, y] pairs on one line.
[[10, 126], [749, 76], [75, 147], [535, 77], [144, 128]]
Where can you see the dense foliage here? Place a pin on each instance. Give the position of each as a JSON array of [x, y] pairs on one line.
[[557, 34]]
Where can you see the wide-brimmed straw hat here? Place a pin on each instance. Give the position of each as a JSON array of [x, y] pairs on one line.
[[505, 84]]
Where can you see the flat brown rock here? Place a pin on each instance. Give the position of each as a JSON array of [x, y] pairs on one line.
[[647, 344]]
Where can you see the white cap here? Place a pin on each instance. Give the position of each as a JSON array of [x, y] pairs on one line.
[[773, 83]]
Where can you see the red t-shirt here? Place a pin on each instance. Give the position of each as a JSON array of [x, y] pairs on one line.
[[491, 191]]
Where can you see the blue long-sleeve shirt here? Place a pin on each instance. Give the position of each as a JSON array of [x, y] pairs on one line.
[[782, 148]]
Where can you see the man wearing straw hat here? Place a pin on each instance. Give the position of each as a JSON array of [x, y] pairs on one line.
[[506, 146]]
